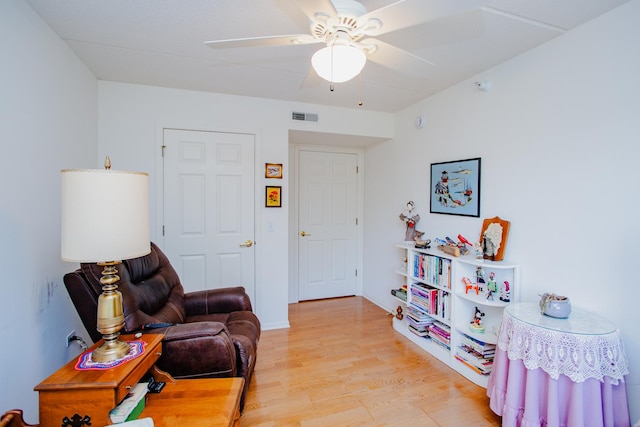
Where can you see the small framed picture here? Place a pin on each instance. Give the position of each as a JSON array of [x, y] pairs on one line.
[[273, 170], [273, 196]]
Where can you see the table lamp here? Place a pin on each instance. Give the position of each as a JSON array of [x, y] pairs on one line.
[[105, 219]]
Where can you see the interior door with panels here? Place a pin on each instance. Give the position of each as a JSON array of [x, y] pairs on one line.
[[209, 208], [328, 224]]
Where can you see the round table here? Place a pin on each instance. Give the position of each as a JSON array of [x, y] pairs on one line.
[[558, 372]]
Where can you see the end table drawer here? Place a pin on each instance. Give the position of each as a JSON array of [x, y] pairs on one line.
[[153, 354]]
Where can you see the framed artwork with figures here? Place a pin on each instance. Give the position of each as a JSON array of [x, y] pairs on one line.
[[455, 187]]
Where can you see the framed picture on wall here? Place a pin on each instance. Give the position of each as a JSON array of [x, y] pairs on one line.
[[273, 170], [455, 187], [273, 196]]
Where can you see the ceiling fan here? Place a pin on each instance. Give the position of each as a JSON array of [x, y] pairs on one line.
[[347, 30]]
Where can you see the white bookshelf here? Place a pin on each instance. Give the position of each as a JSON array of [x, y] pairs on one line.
[[433, 272]]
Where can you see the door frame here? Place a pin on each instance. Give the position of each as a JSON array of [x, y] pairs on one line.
[[159, 191], [293, 213]]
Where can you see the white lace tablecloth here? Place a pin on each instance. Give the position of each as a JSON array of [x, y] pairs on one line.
[[583, 346]]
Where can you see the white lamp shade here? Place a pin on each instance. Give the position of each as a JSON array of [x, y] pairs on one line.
[[338, 63], [105, 215]]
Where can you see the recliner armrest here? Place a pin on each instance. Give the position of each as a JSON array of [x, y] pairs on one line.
[[223, 300], [202, 349]]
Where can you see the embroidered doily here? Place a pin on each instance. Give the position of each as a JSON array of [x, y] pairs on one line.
[[577, 347], [136, 348]]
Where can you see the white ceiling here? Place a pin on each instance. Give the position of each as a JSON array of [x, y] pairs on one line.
[[161, 43]]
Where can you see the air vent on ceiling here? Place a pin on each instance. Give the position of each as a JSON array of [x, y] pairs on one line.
[[305, 117]]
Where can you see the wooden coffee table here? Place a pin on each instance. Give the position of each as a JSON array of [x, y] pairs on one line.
[[196, 403]]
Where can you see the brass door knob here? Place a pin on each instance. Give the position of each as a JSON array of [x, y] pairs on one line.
[[304, 233], [247, 244]]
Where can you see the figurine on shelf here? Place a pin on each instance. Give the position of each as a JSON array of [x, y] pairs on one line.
[[476, 323], [410, 219], [462, 248], [492, 286], [462, 244], [505, 292], [468, 285], [477, 248], [480, 279]]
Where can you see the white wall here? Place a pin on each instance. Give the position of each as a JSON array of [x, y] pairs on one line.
[[48, 106], [559, 136], [131, 122]]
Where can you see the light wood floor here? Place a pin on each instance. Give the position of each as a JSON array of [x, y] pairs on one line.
[[342, 364]]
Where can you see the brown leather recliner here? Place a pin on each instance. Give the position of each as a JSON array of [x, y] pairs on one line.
[[213, 333]]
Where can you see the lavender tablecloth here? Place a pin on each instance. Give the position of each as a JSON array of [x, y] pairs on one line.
[[558, 372]]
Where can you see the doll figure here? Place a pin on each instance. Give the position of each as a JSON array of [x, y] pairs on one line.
[[492, 286], [505, 292], [480, 279], [410, 219]]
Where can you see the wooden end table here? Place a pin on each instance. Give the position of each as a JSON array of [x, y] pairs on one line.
[[70, 394]]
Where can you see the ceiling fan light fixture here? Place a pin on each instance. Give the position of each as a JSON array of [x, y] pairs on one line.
[[338, 63]]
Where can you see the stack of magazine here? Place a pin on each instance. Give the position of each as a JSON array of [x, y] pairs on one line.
[[440, 334], [131, 406], [418, 321], [476, 354]]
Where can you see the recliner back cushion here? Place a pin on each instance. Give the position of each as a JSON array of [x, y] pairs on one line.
[[152, 291], [150, 287]]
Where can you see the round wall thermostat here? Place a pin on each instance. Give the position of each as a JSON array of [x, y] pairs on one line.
[[419, 122]]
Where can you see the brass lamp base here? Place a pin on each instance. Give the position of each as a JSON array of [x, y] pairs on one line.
[[110, 350], [110, 316]]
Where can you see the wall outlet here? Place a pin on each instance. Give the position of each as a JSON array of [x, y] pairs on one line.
[[70, 335]]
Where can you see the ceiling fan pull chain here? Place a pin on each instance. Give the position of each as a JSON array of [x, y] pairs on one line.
[[332, 46], [331, 88]]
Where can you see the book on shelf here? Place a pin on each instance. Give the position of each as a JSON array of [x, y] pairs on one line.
[[424, 297], [477, 345], [487, 355], [432, 269], [131, 406], [419, 332], [421, 326], [417, 313], [441, 329], [399, 293], [439, 339], [435, 302], [477, 370], [479, 363], [441, 344]]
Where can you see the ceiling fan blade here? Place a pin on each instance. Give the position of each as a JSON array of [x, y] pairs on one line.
[[398, 59], [302, 12], [286, 40], [407, 13]]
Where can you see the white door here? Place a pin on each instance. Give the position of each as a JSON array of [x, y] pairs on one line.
[[327, 224], [209, 208]]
